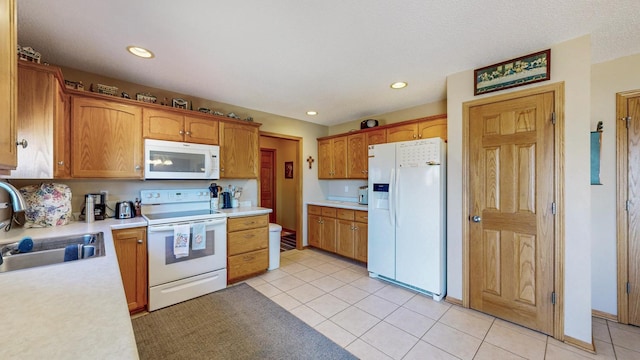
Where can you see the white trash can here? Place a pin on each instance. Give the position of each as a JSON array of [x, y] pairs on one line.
[[274, 246]]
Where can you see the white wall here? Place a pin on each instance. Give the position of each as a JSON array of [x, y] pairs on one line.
[[607, 79], [570, 62]]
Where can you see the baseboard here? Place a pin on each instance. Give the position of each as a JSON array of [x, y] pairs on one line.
[[582, 345], [452, 300], [604, 315]]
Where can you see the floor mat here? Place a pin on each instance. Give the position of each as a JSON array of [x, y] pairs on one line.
[[288, 242]]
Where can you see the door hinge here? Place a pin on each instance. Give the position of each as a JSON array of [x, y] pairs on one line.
[[553, 208], [628, 287], [553, 118], [627, 119], [553, 298]]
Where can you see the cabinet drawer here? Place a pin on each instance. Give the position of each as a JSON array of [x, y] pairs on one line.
[[314, 210], [247, 240], [344, 214], [362, 216], [328, 211], [248, 263], [249, 222]]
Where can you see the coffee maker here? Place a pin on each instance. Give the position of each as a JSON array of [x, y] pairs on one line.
[[99, 207]]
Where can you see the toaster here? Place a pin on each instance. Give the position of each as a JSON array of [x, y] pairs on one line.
[[125, 210]]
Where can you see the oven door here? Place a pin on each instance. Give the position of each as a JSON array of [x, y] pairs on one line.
[[165, 267]]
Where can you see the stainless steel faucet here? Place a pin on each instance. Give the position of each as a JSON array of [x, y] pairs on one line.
[[17, 201]]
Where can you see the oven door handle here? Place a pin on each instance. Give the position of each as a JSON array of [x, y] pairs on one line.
[[207, 223]]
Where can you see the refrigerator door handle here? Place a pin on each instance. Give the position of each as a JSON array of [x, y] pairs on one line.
[[396, 204], [392, 209]]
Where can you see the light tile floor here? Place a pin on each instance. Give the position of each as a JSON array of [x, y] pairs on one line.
[[376, 320]]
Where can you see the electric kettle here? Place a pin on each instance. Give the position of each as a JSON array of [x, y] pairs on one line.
[[125, 210]]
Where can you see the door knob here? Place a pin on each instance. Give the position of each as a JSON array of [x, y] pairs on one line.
[[476, 218], [22, 143]]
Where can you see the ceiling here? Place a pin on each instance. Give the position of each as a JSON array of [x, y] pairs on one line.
[[336, 57]]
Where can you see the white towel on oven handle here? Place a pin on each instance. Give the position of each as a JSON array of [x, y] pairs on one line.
[[199, 240], [181, 234]]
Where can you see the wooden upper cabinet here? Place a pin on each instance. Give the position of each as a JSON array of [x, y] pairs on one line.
[[433, 128], [405, 132], [332, 158], [376, 137], [42, 115], [357, 158], [8, 85], [106, 139], [168, 125], [239, 150]]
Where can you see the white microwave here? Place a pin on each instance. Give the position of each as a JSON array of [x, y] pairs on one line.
[[178, 160]]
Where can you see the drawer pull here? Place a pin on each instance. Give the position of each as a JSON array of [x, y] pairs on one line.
[[249, 236], [248, 257]]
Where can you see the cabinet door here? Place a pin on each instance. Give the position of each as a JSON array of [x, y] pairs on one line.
[[402, 132], [314, 230], [376, 137], [106, 139], [162, 125], [201, 130], [433, 128], [357, 159], [339, 157], [361, 233], [328, 234], [344, 234], [36, 94], [325, 159], [239, 151], [8, 84], [61, 132], [131, 249]]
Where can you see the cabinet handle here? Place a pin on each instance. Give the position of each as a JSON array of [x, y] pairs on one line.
[[139, 241], [137, 168], [414, 136], [248, 258], [249, 236], [60, 163], [22, 142], [222, 170], [188, 133], [181, 132]]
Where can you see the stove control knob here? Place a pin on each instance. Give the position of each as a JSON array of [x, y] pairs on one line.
[[149, 195], [156, 195]]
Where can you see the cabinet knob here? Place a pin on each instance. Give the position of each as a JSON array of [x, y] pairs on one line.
[[137, 167], [188, 133], [139, 241], [181, 132], [60, 163], [222, 170], [22, 142], [414, 136]]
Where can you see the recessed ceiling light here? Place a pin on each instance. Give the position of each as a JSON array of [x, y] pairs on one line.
[[312, 113], [399, 85], [140, 52]]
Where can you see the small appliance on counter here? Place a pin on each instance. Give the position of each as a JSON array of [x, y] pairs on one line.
[[363, 195], [125, 210], [99, 207]]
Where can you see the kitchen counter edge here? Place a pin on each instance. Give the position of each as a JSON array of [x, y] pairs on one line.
[[339, 204]]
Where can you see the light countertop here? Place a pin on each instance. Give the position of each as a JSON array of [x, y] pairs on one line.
[[245, 211], [339, 204], [74, 310]]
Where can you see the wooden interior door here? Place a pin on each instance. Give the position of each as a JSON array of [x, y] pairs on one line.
[[511, 194], [633, 211], [268, 181]]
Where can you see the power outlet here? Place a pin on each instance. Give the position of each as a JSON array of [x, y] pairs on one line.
[[106, 195]]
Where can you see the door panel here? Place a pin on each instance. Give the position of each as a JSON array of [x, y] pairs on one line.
[[268, 181], [511, 189]]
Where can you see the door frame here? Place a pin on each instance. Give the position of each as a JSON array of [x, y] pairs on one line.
[[622, 190], [297, 169], [559, 240]]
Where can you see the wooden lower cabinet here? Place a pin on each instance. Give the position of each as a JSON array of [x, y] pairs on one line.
[[337, 230], [131, 249], [247, 246]]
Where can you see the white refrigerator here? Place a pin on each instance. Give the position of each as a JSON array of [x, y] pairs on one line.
[[407, 197]]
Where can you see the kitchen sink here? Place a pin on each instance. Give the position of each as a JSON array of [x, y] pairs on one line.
[[56, 250]]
